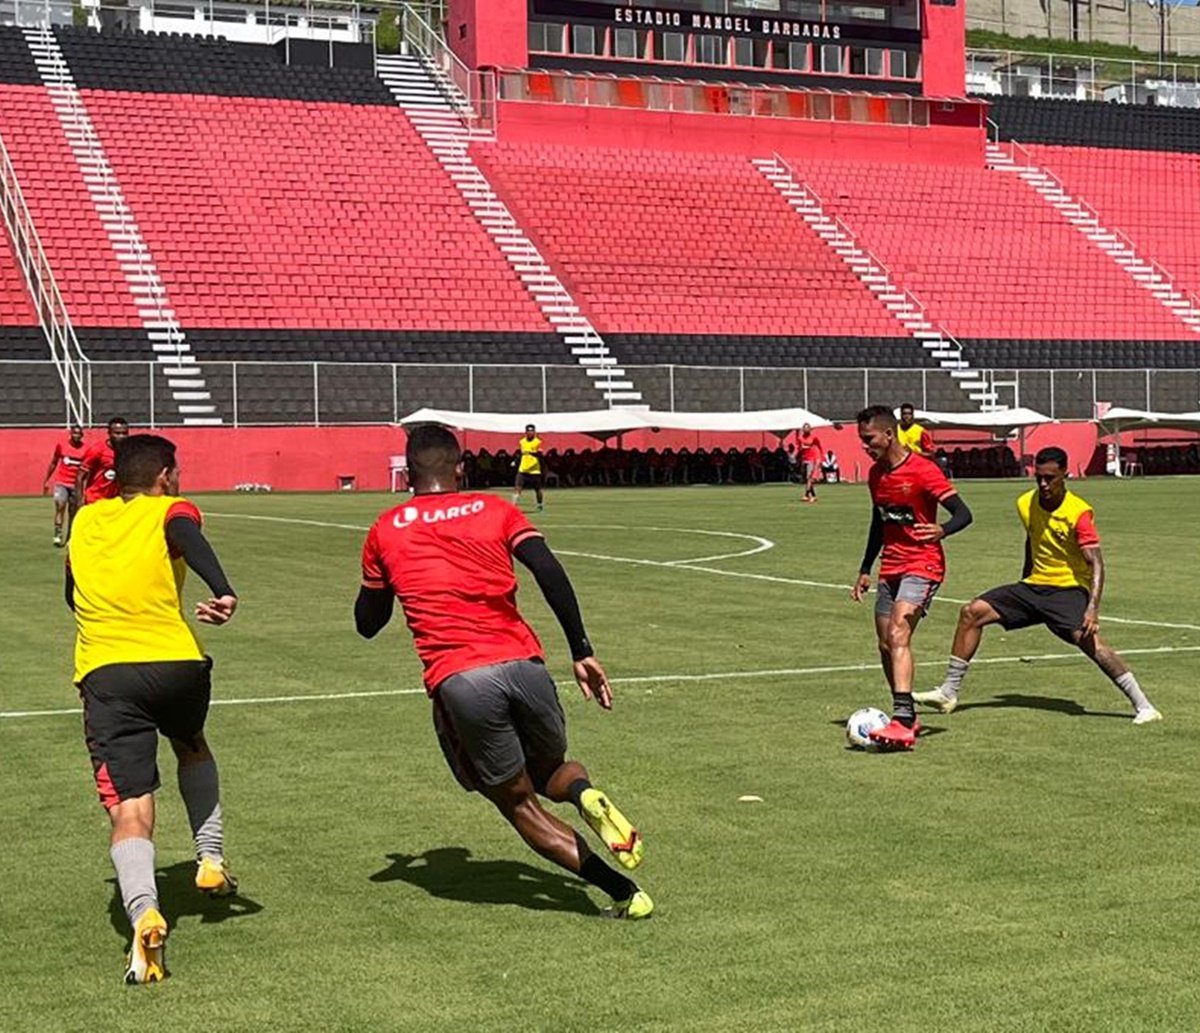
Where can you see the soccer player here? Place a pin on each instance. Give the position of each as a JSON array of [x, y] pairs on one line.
[[447, 555], [140, 670], [1060, 587], [97, 477], [529, 466], [906, 489], [912, 435], [61, 476], [811, 454]]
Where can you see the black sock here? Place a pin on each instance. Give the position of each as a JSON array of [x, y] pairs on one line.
[[576, 788], [903, 709], [600, 875]]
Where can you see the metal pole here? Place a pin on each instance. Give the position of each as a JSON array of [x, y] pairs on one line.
[[234, 367], [151, 368], [1148, 407], [741, 388], [671, 383], [395, 396], [470, 388], [805, 374], [545, 405], [316, 396]]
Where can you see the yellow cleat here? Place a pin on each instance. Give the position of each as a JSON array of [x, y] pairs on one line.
[[147, 961], [613, 827], [938, 700], [214, 878], [638, 906]]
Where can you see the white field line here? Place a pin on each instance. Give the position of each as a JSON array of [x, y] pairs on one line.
[[694, 564], [646, 679]]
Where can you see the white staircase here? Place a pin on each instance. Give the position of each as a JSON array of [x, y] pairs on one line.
[[437, 121], [167, 339], [979, 387], [1147, 274]]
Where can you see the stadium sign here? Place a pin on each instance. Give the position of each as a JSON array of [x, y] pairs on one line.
[[679, 19]]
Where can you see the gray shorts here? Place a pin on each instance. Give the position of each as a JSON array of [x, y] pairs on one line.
[[492, 722], [63, 494], [908, 588]]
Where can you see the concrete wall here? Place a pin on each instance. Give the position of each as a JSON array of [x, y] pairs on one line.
[[1123, 22]]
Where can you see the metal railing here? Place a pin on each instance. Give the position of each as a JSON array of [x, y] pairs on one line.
[[70, 364], [1080, 77], [318, 393], [473, 93], [647, 93]]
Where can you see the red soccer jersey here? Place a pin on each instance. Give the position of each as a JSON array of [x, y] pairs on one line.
[[810, 448], [916, 486], [448, 558], [100, 479], [67, 458]]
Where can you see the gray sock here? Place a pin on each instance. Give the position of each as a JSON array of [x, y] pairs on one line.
[[956, 671], [199, 787], [1128, 684], [134, 861]]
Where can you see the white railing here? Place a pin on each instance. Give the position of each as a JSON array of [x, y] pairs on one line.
[[70, 364], [319, 393], [471, 93], [1081, 77]]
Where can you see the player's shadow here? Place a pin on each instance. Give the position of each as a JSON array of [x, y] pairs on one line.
[[178, 898], [1052, 703], [451, 873]]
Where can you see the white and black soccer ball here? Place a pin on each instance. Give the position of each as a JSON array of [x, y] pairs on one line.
[[862, 723]]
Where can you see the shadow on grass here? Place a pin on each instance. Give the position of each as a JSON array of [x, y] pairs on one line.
[[450, 873], [178, 898], [1052, 703]]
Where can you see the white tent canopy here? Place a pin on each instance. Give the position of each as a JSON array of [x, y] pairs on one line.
[[1002, 421], [608, 422], [1118, 420]]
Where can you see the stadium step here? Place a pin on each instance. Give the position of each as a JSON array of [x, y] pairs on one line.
[[162, 329], [410, 81], [901, 304], [1145, 273]]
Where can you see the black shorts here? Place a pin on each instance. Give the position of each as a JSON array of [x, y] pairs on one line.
[[125, 706], [529, 480], [1023, 606], [494, 722]]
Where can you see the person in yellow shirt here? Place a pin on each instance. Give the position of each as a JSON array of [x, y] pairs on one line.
[[529, 467], [911, 434], [1060, 587], [140, 670]]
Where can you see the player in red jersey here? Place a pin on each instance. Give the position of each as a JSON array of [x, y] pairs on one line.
[[810, 454], [447, 556], [97, 478], [61, 475], [906, 490]]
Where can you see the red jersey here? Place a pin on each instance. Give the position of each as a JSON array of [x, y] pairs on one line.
[[67, 458], [100, 479], [905, 495], [448, 558], [810, 448]]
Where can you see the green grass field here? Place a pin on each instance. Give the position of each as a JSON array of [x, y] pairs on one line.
[[1031, 866]]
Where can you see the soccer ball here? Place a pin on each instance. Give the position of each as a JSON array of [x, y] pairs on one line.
[[862, 723]]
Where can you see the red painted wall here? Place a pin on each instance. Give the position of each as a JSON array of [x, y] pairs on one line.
[[519, 121], [943, 50], [488, 33], [313, 458]]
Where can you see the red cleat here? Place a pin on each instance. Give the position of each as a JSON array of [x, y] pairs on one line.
[[895, 736]]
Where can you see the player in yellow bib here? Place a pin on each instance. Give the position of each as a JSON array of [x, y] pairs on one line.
[[140, 670], [529, 467], [1061, 587], [911, 434]]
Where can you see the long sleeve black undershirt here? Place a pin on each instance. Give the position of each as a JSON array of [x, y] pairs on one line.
[[535, 554], [373, 607], [874, 542], [960, 518], [187, 540]]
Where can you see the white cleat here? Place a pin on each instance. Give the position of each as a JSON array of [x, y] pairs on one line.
[[1146, 716], [937, 700]]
